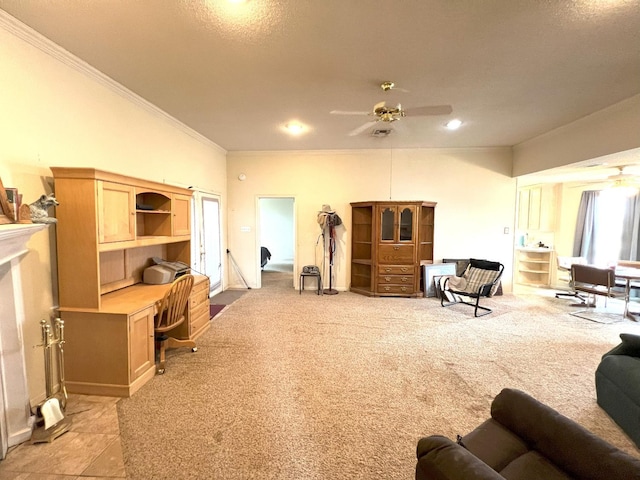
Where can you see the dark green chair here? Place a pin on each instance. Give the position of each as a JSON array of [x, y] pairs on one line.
[[618, 385]]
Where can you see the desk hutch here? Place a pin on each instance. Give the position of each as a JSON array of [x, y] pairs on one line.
[[109, 226], [389, 242]]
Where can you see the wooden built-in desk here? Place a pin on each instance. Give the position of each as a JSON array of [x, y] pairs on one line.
[[111, 350], [110, 227], [132, 298]]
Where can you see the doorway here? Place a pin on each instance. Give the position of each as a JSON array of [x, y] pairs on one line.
[[276, 240]]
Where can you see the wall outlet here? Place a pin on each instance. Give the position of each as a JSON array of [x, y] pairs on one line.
[[506, 230]]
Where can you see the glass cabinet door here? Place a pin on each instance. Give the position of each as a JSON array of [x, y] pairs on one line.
[[406, 225], [387, 224]]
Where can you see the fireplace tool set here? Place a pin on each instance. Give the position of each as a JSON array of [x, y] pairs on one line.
[[50, 419]]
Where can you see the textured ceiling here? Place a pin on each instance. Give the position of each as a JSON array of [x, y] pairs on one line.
[[511, 69]]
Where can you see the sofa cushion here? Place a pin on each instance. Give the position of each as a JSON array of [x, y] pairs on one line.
[[562, 441], [476, 277], [533, 465], [441, 459], [494, 445]]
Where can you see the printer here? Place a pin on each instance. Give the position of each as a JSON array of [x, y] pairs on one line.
[[163, 272]]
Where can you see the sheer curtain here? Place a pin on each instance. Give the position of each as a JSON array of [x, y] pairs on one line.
[[607, 227], [630, 246], [584, 238]]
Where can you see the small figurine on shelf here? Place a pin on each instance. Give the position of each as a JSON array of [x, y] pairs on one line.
[[39, 209]]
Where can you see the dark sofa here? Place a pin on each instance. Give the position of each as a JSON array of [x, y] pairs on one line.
[[523, 439], [618, 385]]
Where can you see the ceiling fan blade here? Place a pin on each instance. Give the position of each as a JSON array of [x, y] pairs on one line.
[[362, 128], [346, 112], [429, 110]]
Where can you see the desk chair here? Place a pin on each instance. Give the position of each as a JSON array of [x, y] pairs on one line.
[[171, 313], [564, 266], [594, 281]]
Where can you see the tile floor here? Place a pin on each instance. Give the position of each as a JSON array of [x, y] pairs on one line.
[[91, 449]]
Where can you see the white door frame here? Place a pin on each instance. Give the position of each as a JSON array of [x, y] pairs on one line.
[[258, 237]]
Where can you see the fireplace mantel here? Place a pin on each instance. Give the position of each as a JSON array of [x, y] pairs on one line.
[[15, 413], [14, 237]]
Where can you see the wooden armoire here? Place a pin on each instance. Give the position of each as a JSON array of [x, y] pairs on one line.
[[389, 242]]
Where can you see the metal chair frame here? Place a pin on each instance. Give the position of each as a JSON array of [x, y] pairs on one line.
[[594, 281]]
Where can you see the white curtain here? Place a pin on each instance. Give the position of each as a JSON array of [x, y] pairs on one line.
[[586, 226], [630, 246]]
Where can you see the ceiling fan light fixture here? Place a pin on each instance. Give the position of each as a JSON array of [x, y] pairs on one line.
[[625, 187], [453, 124]]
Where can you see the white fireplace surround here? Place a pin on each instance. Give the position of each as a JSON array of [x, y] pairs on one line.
[[16, 420]]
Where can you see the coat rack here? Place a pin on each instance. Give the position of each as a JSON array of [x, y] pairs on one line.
[[328, 220]]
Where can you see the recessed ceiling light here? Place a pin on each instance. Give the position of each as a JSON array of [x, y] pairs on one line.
[[295, 128], [454, 124]]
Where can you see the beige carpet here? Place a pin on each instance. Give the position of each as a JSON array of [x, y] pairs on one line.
[[290, 386]]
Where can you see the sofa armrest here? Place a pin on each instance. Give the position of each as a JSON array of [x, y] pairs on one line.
[[630, 346], [441, 459], [562, 441]]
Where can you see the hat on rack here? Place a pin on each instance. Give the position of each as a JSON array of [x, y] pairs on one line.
[[326, 209], [328, 217]]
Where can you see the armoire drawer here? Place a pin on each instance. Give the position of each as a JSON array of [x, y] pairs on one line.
[[396, 289], [396, 270], [396, 279], [396, 254]]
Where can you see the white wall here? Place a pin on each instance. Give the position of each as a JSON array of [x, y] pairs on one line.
[[473, 188], [611, 130], [57, 111]]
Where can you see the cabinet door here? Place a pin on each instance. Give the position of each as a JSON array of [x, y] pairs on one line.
[[535, 202], [548, 205], [523, 209], [387, 215], [116, 213], [181, 211], [406, 223], [141, 343], [397, 223]]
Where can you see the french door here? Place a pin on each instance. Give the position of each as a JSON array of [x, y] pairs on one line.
[[206, 246]]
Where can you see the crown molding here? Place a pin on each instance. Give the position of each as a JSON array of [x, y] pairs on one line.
[[42, 43]]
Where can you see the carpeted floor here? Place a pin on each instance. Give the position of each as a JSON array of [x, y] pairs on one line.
[[290, 386], [227, 297]]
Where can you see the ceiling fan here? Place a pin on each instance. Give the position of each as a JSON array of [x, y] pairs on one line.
[[622, 179], [619, 180], [388, 114]]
